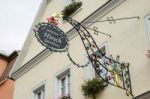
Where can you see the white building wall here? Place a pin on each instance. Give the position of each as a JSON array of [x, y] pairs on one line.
[[129, 40]]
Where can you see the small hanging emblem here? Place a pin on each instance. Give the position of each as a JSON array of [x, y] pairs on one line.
[[50, 36]]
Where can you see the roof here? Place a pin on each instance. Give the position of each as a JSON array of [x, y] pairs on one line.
[[11, 60], [2, 52], [7, 57]]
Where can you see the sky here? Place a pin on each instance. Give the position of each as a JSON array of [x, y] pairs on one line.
[[16, 17]]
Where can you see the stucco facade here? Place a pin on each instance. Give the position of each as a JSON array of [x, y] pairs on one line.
[[37, 65]]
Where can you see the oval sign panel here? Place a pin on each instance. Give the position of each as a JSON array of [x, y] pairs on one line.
[[51, 37]]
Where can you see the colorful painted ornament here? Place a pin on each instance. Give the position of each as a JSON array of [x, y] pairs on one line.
[[52, 20]]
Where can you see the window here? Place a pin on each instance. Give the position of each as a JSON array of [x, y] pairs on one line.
[[90, 71], [39, 93], [147, 21], [102, 71], [65, 85], [63, 82]]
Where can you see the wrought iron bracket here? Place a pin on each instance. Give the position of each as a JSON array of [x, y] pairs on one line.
[[117, 74]]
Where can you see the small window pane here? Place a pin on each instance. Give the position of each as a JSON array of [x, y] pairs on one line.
[[69, 83], [98, 70], [63, 82], [39, 95], [39, 92]]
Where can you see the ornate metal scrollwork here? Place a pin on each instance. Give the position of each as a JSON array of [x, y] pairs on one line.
[[117, 74]]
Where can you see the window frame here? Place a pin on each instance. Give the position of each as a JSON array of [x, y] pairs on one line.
[[147, 23], [64, 73], [92, 73], [39, 89], [65, 86]]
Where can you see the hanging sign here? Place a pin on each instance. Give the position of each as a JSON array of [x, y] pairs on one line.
[[51, 37]]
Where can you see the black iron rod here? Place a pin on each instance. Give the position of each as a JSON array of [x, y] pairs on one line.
[[98, 31], [137, 17], [122, 77], [130, 81]]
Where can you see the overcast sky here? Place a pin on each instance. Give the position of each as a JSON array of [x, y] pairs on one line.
[[16, 17]]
